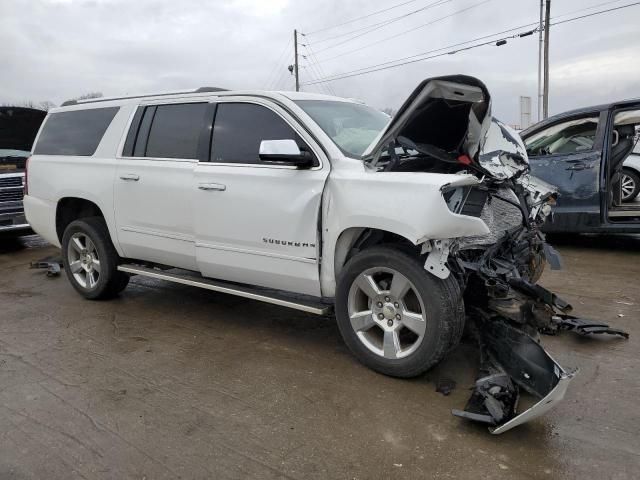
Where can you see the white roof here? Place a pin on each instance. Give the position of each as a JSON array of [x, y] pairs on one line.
[[310, 96], [293, 96]]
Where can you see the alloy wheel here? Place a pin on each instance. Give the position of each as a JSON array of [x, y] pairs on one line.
[[628, 185], [84, 261], [387, 313]]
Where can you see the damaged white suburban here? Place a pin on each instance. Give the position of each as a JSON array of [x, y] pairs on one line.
[[413, 229], [446, 127]]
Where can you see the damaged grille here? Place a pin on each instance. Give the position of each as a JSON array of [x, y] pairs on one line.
[[499, 216]]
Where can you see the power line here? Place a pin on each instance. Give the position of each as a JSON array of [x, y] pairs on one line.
[[318, 67], [596, 13], [362, 17], [321, 86], [375, 68], [320, 75], [376, 26], [277, 63], [276, 80], [315, 73], [280, 79], [386, 65], [274, 72], [386, 23], [323, 60], [457, 12], [597, 5], [421, 54]]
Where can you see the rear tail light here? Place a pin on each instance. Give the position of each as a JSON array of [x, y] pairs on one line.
[[26, 177]]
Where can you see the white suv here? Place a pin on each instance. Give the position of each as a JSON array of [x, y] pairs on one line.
[[310, 201]]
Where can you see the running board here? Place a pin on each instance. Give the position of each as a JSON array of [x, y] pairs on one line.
[[624, 213], [304, 303]]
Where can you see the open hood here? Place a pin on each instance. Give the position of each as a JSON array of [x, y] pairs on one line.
[[19, 127], [449, 118]]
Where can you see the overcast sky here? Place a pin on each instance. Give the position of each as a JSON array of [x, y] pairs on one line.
[[58, 49]]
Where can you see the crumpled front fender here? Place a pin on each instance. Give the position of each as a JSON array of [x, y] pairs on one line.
[[408, 204]]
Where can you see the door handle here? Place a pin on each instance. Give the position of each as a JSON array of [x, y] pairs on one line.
[[130, 177], [212, 186]]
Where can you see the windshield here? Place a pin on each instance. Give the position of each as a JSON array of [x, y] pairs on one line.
[[351, 126]]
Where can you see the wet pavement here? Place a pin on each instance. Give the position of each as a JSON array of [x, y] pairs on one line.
[[169, 381]]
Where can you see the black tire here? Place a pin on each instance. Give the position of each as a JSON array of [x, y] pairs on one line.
[[633, 175], [443, 305], [110, 281]]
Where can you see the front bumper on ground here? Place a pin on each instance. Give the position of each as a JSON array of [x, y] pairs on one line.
[[540, 408], [512, 361]]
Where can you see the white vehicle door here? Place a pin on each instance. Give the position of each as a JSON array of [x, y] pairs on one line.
[[153, 183], [257, 222]]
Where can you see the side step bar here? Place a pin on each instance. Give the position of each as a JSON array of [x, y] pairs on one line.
[[624, 213], [304, 303]]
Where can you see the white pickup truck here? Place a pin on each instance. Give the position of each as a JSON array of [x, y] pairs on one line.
[[315, 202], [18, 129]]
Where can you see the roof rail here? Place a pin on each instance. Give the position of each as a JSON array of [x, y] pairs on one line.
[[108, 99], [211, 89]]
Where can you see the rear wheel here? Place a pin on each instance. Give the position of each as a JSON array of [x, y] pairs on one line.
[[394, 316], [90, 259], [630, 184]]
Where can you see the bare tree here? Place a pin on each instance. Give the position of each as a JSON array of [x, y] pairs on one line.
[[47, 105], [43, 105]]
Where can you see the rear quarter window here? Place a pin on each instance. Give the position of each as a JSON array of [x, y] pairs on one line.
[[77, 132]]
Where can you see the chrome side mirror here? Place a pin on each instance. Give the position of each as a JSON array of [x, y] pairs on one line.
[[285, 152]]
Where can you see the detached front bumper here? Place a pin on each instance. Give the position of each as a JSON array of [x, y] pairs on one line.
[[512, 361], [543, 406]]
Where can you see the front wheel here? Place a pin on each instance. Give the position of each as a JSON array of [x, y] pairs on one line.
[[90, 259], [395, 317]]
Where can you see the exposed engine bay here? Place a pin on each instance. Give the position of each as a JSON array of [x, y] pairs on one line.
[[446, 127]]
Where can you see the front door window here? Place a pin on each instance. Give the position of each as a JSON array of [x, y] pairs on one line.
[[573, 136]]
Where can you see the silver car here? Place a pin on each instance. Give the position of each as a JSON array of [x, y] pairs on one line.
[[631, 175]]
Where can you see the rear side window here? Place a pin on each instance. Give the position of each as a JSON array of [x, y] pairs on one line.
[[170, 131], [78, 132], [240, 127]]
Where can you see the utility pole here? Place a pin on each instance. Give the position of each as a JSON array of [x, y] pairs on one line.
[[547, 27], [295, 60], [540, 46]]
